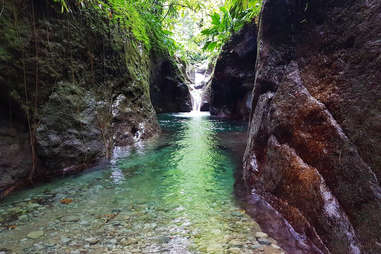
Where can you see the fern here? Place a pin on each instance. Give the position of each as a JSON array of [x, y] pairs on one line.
[[230, 19]]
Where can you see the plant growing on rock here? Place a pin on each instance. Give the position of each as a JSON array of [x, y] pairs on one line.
[[229, 19]]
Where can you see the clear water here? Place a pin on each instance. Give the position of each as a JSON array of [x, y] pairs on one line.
[[173, 194]]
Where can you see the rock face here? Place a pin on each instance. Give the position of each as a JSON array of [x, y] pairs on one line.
[[74, 85], [315, 121], [15, 154], [234, 74], [169, 91]]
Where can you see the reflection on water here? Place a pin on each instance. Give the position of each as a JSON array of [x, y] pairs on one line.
[[171, 195]]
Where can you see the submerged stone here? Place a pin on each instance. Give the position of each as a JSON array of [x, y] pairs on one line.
[[35, 234], [92, 240], [70, 219]]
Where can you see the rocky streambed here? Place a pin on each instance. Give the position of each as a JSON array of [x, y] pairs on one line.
[[173, 194]]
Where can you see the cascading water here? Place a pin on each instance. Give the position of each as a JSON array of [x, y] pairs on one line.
[[196, 89], [196, 95]]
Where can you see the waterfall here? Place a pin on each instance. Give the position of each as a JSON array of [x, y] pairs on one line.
[[196, 89], [196, 95]]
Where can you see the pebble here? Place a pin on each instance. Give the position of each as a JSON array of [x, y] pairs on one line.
[[256, 246], [264, 241], [139, 229], [83, 222], [237, 214], [35, 234], [92, 240], [23, 218], [234, 250], [70, 219], [65, 240], [261, 235], [235, 242]]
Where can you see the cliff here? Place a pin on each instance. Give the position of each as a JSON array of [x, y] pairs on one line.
[[73, 87], [234, 74], [315, 121]]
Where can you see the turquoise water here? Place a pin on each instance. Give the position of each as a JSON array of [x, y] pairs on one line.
[[173, 194]]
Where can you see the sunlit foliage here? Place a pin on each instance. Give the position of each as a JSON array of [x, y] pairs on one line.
[[229, 19], [193, 30], [145, 19]]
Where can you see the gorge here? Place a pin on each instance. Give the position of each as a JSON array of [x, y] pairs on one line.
[[190, 127]]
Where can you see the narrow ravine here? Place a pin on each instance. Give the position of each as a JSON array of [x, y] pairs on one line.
[[173, 194], [273, 149]]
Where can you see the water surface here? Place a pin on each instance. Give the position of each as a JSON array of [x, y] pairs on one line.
[[173, 194]]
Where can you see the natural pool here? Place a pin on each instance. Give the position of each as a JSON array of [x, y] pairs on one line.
[[172, 194]]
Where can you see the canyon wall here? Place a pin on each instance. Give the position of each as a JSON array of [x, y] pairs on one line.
[[73, 87], [315, 124], [234, 74], [169, 86]]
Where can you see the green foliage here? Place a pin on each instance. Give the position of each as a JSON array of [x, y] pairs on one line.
[[63, 3], [229, 19], [145, 19], [180, 27]]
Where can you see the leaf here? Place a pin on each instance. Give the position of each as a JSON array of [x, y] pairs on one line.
[[215, 19], [11, 227], [66, 201], [206, 32], [212, 46]]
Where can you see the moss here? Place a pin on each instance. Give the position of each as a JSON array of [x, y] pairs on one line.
[[82, 62]]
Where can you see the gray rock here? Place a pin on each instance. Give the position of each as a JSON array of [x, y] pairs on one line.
[[92, 240], [70, 219], [234, 250], [261, 235], [35, 234], [65, 240], [264, 241], [84, 222], [235, 243], [23, 218]]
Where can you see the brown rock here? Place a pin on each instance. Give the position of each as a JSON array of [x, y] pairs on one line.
[[315, 123]]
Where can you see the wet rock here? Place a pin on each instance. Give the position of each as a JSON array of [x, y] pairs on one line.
[[76, 122], [235, 243], [255, 246], [84, 223], [92, 240], [23, 218], [237, 214], [275, 246], [234, 250], [169, 90], [113, 241], [264, 241], [15, 154], [261, 235], [164, 239], [313, 101], [70, 219], [35, 234], [234, 75], [65, 240]]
